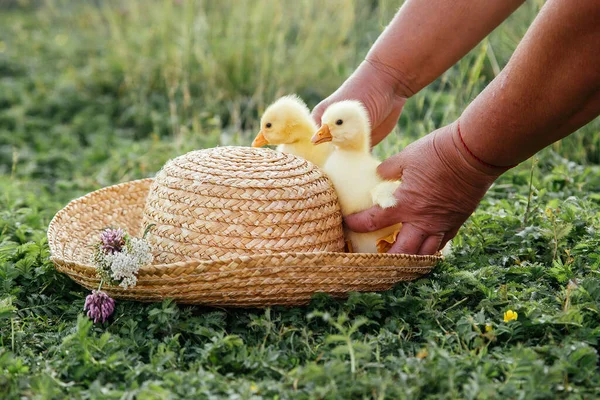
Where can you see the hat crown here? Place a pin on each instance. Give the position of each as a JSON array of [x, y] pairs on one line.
[[232, 201]]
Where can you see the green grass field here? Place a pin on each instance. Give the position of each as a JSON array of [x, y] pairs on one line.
[[100, 92]]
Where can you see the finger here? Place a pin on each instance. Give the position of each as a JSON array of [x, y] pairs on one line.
[[392, 168], [386, 126], [431, 245], [409, 241], [448, 236], [318, 111], [373, 219]]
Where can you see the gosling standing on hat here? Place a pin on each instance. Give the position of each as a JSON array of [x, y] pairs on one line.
[[288, 123], [353, 171]]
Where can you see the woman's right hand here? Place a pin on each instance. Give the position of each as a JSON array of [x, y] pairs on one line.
[[440, 189]]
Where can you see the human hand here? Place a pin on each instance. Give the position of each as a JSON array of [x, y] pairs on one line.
[[440, 189], [376, 89]]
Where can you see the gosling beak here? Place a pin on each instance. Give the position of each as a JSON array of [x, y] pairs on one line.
[[260, 140], [323, 135]]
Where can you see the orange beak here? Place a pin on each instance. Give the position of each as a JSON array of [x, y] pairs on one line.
[[260, 140], [323, 135]]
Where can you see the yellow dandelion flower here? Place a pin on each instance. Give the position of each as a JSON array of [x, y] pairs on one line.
[[422, 354], [510, 315], [488, 327], [253, 387]]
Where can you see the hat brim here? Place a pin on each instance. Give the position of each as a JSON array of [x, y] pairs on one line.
[[243, 281]]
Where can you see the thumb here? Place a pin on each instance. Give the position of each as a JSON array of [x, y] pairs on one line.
[[392, 168], [318, 111], [373, 219]]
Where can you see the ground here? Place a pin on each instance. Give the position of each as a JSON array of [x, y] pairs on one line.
[[96, 94]]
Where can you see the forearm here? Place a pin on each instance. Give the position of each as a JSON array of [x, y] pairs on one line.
[[426, 37], [550, 87]]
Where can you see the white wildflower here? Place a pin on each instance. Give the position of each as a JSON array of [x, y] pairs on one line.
[[142, 250], [124, 265]]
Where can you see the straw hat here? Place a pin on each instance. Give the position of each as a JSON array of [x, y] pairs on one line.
[[234, 226]]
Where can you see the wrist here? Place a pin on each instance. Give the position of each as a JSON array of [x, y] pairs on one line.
[[469, 155], [456, 157], [395, 80]]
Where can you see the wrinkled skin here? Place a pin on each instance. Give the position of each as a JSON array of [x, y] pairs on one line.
[[375, 90], [431, 212], [444, 176]]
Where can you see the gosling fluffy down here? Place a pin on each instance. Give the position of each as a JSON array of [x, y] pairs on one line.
[[353, 170], [288, 123]]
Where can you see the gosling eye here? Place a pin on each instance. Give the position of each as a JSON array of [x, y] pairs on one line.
[[339, 122], [268, 125]]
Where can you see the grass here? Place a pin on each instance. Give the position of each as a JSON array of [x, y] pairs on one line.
[[105, 92]]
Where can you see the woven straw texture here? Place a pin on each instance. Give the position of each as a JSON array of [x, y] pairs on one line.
[[231, 201], [234, 227]]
